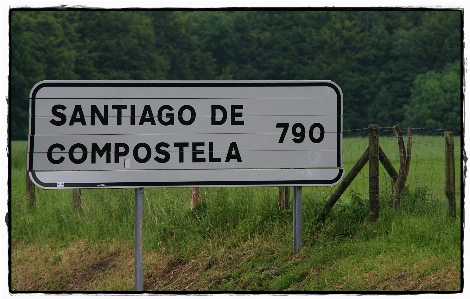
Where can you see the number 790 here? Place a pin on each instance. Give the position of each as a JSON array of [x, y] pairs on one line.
[[298, 131]]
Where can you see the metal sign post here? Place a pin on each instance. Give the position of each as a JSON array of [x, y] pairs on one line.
[[139, 239], [297, 214]]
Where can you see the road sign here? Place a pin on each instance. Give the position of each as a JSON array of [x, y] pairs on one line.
[[130, 134]]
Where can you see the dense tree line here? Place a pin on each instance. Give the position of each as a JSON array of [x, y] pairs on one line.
[[394, 67]]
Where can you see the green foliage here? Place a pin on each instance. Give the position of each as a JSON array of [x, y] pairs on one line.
[[39, 49], [390, 65], [436, 99], [346, 218], [121, 46]]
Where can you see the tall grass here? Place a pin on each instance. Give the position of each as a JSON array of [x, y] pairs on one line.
[[109, 213], [233, 217]]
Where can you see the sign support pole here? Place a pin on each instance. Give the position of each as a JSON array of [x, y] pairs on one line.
[[139, 238], [297, 214]]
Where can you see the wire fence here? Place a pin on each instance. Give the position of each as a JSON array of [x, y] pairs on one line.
[[427, 167]]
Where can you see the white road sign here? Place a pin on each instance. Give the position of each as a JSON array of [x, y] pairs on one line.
[[129, 134]]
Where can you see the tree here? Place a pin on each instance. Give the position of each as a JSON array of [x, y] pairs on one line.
[[219, 38], [436, 99], [344, 52], [182, 50], [39, 50], [421, 41], [120, 46]]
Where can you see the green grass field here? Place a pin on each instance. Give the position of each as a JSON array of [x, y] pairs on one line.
[[238, 240]]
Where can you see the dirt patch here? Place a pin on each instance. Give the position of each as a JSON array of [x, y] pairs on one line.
[[200, 273], [175, 276], [447, 279], [79, 267], [88, 275]]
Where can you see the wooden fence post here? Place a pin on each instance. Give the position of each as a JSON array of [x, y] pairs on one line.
[[194, 197], [283, 201], [30, 191], [77, 199], [374, 205], [405, 159], [450, 173]]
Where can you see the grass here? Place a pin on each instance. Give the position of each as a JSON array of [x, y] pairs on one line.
[[237, 240]]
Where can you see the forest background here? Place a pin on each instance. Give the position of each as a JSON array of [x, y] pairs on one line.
[[395, 67]]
